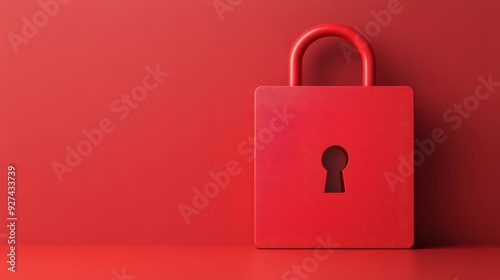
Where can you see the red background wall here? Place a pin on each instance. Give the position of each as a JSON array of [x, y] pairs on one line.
[[128, 190]]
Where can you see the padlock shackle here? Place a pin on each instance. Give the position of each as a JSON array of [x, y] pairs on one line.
[[337, 30]]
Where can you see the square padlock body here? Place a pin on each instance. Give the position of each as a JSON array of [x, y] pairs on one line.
[[294, 126]]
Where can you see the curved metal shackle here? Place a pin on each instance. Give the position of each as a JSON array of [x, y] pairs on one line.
[[337, 30]]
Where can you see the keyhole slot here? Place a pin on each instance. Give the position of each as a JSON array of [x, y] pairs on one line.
[[334, 160]]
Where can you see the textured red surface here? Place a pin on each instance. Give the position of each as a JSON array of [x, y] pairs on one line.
[[374, 125], [66, 78], [244, 262]]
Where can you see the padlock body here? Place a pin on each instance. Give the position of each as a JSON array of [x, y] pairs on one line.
[[294, 126]]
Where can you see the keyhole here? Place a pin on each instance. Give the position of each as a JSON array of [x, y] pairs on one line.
[[334, 160]]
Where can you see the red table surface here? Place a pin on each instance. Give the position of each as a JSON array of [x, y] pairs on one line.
[[246, 262]]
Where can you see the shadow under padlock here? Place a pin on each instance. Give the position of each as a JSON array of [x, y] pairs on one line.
[[326, 132]]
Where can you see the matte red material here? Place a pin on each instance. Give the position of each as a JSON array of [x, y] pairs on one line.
[[201, 117], [243, 262], [374, 125], [294, 126], [331, 29]]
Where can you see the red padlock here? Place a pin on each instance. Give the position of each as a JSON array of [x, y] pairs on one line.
[[322, 155]]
